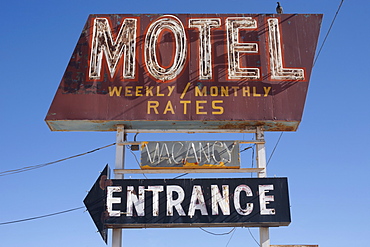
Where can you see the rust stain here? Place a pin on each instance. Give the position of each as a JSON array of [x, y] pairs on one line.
[[240, 126], [196, 165], [104, 182], [143, 144]]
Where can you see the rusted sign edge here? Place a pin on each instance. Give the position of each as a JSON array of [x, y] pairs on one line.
[[175, 126]]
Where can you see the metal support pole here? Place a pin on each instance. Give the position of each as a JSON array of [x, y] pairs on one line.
[[264, 237], [120, 164], [261, 153], [261, 163]]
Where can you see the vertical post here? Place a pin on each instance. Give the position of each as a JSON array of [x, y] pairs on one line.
[[264, 237], [261, 153], [120, 164], [261, 163]]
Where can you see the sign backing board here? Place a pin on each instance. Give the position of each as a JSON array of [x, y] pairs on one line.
[[158, 203], [190, 203], [187, 71], [190, 154]]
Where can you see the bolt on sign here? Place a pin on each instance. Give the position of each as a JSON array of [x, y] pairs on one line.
[[190, 154], [158, 203], [187, 71]]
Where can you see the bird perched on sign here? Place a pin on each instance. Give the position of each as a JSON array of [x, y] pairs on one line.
[[279, 9]]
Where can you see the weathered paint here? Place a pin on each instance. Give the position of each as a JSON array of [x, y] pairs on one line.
[[190, 154], [96, 210], [156, 203], [177, 126], [159, 203], [188, 71]]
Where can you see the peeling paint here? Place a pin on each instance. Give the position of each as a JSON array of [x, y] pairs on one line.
[[198, 202]]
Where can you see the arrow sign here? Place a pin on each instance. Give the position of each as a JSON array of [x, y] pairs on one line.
[[216, 202], [95, 202]]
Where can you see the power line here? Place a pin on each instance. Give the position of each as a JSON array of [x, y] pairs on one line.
[[28, 168], [318, 54], [253, 237], [137, 161], [217, 234], [179, 176], [327, 34], [43, 216], [230, 238], [273, 151]]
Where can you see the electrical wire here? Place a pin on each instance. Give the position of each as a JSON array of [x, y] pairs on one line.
[[217, 234], [29, 168], [137, 161], [273, 151], [327, 33], [9, 172], [230, 238], [252, 157], [43, 216], [179, 176], [253, 237], [245, 149]]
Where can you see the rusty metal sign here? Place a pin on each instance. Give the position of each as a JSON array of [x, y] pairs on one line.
[[187, 71], [157, 203], [190, 154]]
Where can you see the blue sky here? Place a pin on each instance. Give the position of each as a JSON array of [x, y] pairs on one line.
[[325, 161]]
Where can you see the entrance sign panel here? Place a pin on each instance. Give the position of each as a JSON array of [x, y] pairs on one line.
[[187, 71], [156, 203], [190, 154], [148, 203]]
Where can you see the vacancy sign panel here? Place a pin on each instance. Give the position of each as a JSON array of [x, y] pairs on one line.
[[190, 154], [187, 71]]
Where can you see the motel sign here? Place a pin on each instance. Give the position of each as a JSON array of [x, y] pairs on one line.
[[187, 72]]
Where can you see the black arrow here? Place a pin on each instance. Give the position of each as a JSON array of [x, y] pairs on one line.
[[95, 202]]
